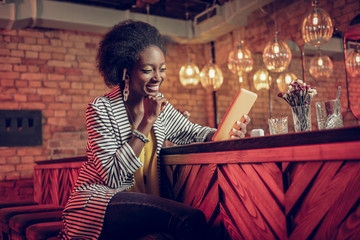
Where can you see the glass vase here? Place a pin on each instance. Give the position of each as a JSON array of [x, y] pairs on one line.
[[302, 118]]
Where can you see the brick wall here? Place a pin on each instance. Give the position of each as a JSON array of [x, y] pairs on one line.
[[54, 71]]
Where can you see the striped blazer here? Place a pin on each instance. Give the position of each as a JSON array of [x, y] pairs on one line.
[[112, 162]]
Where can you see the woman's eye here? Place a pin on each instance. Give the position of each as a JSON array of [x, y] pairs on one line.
[[147, 70], [163, 69]]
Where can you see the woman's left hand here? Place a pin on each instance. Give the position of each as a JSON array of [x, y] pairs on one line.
[[239, 129]]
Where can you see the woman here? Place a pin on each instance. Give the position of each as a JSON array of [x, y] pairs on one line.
[[126, 129]]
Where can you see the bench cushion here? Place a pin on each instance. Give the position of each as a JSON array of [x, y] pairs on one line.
[[7, 213], [20, 222], [46, 230]]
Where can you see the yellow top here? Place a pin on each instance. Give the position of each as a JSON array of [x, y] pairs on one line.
[[146, 177]]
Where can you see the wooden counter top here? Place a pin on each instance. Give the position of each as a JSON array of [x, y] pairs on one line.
[[346, 134]]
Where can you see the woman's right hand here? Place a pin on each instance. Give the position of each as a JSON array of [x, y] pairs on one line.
[[152, 107]]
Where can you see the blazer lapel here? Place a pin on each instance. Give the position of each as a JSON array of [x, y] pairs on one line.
[[120, 115]]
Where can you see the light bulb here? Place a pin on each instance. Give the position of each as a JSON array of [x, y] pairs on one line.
[[320, 62], [276, 48], [189, 71], [315, 19], [212, 73]]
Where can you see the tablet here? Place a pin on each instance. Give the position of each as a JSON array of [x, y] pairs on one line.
[[241, 105]]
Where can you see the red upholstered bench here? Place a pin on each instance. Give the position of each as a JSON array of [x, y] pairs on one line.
[[7, 213], [42, 231], [20, 222]]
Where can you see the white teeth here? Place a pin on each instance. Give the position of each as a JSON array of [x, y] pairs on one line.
[[154, 87]]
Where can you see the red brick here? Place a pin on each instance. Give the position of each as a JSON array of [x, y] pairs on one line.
[[56, 77], [4, 52], [33, 69], [30, 40], [32, 105], [54, 49], [5, 67], [17, 39], [58, 56], [43, 41], [31, 61], [28, 47], [20, 83], [31, 33], [20, 98], [44, 55], [20, 68], [33, 76], [47, 98], [27, 159], [15, 60], [12, 176], [35, 84], [25, 166], [60, 106], [34, 98], [7, 168], [29, 151], [10, 75], [31, 54], [50, 84], [7, 82], [56, 63]]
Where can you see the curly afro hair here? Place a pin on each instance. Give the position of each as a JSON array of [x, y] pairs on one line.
[[120, 48]]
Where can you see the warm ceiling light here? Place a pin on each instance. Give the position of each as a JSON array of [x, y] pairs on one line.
[[189, 75], [277, 55], [353, 62], [284, 80], [262, 79], [240, 60], [321, 67], [211, 77], [317, 27]]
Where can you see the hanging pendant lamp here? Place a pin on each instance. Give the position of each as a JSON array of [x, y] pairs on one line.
[[284, 80], [353, 62], [262, 79], [317, 27], [211, 77], [321, 66], [277, 55]]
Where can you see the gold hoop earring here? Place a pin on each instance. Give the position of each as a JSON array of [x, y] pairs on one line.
[[126, 86]]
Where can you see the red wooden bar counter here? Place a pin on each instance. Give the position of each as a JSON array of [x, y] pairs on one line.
[[293, 186]]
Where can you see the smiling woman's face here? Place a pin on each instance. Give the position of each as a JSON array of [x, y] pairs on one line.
[[148, 73]]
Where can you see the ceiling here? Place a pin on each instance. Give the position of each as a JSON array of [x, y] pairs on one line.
[[176, 9]]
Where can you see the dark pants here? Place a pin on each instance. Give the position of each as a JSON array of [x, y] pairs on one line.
[[133, 215]]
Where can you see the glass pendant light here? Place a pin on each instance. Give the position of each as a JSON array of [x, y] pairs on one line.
[[284, 80], [240, 59], [189, 75], [321, 66], [211, 77], [262, 79], [277, 55], [317, 27], [353, 62]]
